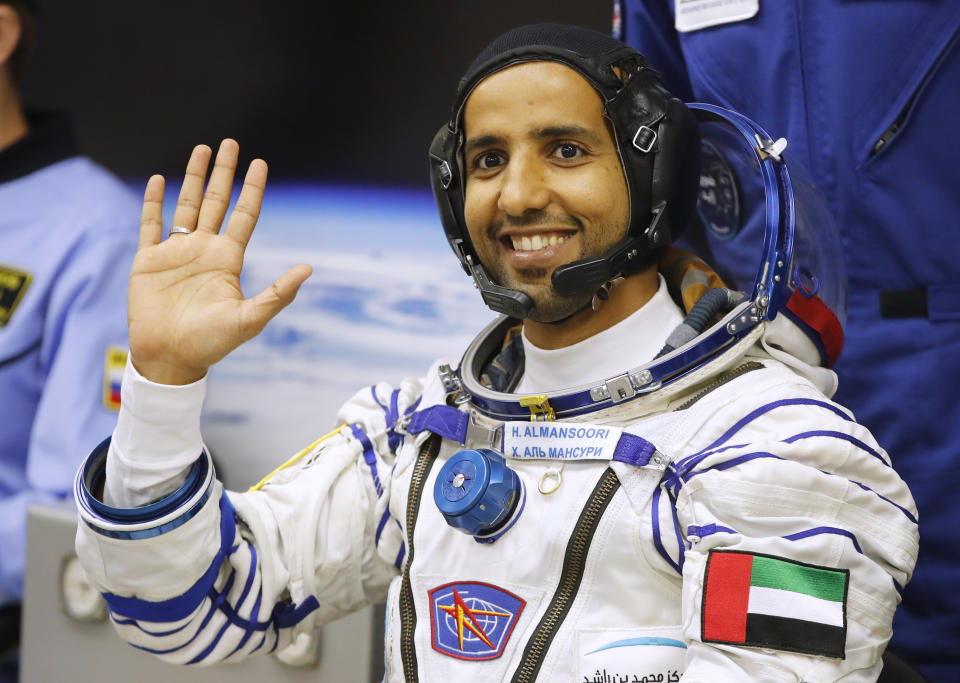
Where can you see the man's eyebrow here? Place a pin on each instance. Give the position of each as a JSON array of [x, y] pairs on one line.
[[570, 131], [484, 141], [547, 133]]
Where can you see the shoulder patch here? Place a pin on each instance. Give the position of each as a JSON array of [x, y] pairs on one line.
[[766, 601], [718, 200], [472, 620], [13, 285], [116, 361]]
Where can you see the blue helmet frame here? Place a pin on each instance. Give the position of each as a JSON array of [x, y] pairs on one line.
[[776, 288]]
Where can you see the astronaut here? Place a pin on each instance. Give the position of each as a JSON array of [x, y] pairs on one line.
[[631, 475]]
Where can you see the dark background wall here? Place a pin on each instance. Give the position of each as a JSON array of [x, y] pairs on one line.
[[334, 91]]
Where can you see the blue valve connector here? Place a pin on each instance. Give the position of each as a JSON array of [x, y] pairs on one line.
[[477, 493]]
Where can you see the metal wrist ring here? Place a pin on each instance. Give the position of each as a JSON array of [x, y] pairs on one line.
[[178, 230]]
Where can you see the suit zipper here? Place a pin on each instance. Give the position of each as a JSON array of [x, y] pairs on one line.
[[408, 614], [890, 132], [720, 381], [574, 561]]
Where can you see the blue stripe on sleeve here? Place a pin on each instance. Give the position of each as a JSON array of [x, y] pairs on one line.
[[688, 463], [254, 613], [220, 601], [657, 541], [708, 530], [152, 634], [373, 392], [753, 415], [284, 615], [681, 546], [733, 462], [216, 599], [902, 509], [183, 605], [287, 615], [838, 435], [825, 530], [391, 414], [686, 476], [369, 456], [383, 522]]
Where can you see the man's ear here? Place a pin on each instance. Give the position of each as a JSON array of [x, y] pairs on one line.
[[9, 31]]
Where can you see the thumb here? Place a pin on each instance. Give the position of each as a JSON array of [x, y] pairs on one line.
[[258, 311]]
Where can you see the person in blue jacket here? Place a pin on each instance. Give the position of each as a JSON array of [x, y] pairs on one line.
[[67, 239], [867, 95]]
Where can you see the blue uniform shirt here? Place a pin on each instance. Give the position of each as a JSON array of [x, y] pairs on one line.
[[68, 232], [868, 95]]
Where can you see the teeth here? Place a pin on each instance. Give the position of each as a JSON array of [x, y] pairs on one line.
[[537, 242]]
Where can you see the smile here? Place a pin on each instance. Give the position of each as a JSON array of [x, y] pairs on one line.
[[536, 242]]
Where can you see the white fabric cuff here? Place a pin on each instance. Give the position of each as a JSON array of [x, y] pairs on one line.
[[156, 440]]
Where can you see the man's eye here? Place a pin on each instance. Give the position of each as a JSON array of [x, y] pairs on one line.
[[489, 160], [568, 150]]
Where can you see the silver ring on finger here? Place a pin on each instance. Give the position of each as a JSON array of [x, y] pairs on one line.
[[179, 230]]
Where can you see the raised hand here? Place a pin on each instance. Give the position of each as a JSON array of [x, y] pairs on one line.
[[185, 308]]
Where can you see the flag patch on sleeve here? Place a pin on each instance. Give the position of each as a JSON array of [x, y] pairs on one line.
[[765, 601], [116, 361]]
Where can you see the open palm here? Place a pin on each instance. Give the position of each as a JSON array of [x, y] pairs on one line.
[[185, 307]]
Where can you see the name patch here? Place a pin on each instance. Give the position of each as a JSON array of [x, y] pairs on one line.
[[559, 441], [696, 14]]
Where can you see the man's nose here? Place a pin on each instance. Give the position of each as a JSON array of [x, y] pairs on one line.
[[524, 187]]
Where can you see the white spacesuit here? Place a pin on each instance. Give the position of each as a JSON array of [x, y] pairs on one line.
[[709, 515]]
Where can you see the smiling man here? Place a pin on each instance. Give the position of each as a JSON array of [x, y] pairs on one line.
[[544, 187], [629, 476]]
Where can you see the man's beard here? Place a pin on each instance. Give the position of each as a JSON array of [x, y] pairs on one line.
[[549, 306]]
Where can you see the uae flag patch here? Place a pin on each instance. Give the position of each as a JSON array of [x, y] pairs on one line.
[[765, 601]]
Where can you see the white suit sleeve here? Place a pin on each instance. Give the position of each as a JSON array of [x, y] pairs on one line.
[[201, 575], [156, 440], [798, 537]]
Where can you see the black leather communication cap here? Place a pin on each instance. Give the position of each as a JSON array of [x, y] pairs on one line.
[[656, 136]]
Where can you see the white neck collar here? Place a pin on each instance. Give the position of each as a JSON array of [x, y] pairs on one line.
[[633, 341]]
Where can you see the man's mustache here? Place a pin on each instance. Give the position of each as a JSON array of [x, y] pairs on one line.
[[529, 219]]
